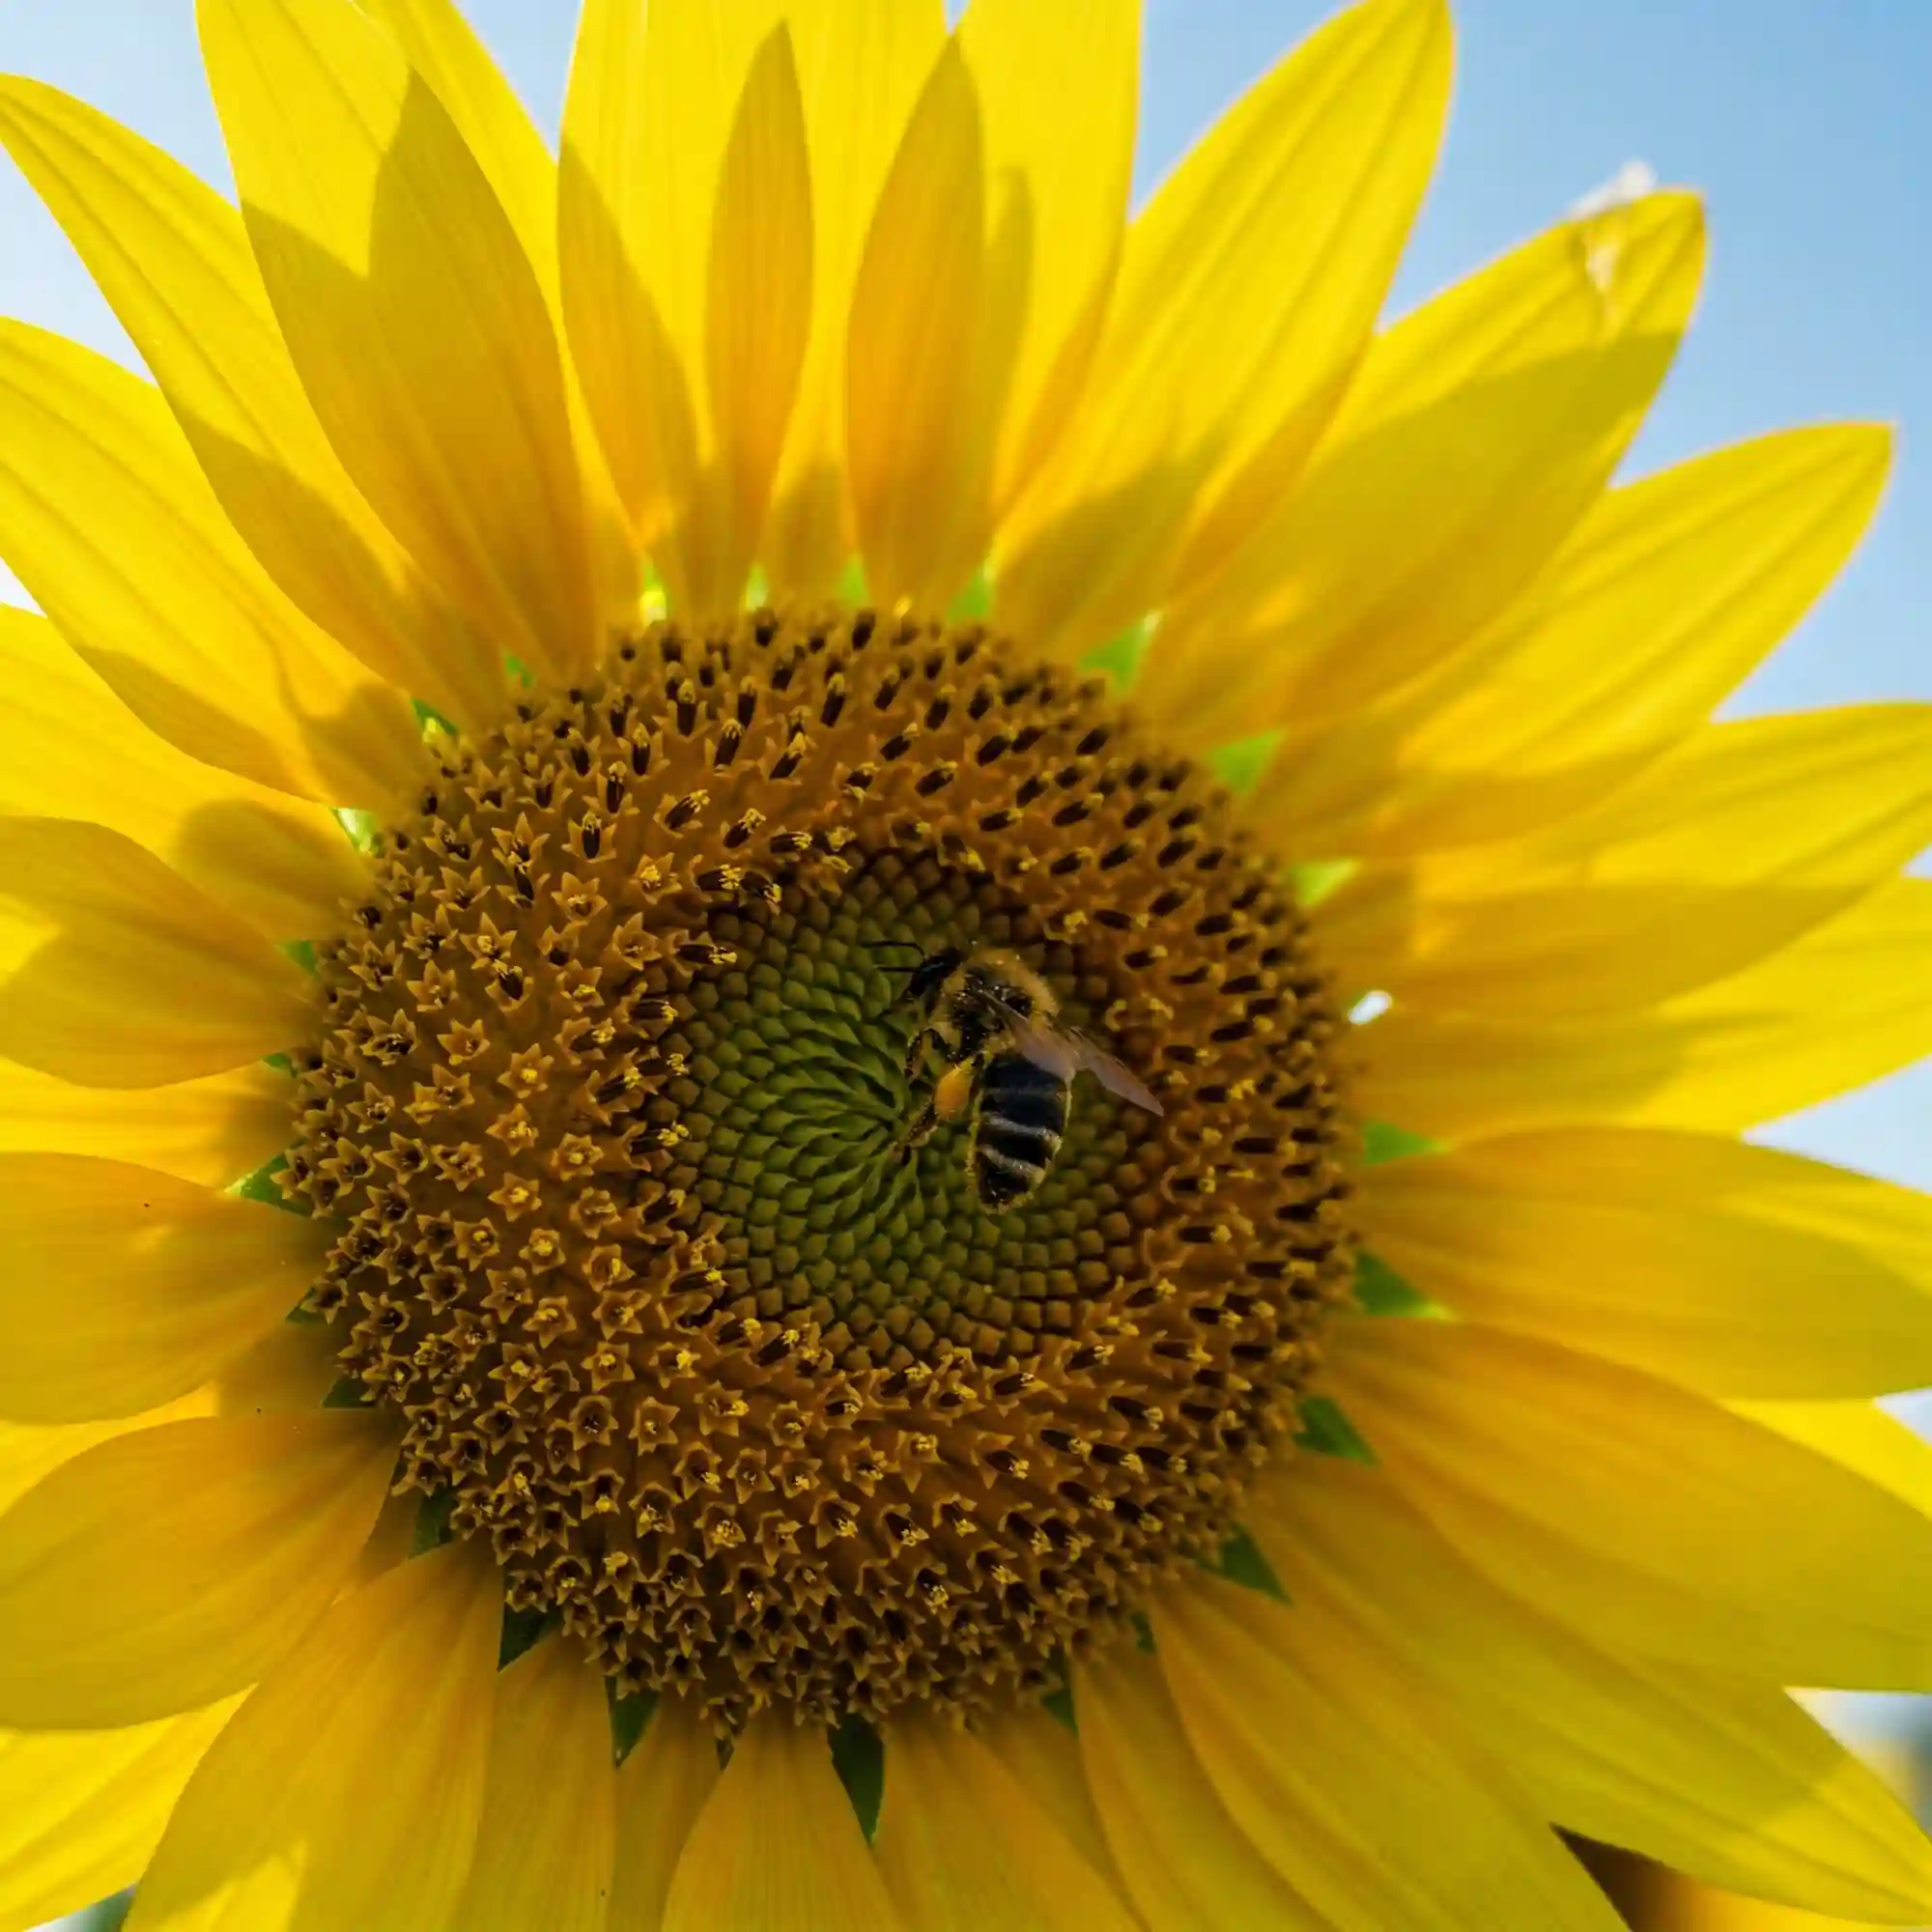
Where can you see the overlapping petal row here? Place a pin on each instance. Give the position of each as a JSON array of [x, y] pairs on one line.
[[818, 292]]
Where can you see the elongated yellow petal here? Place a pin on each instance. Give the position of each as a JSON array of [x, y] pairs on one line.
[[1058, 88], [661, 1787], [1186, 1865], [1350, 1777], [1729, 1780], [1045, 1755], [1859, 1435], [347, 1789], [289, 1370], [636, 392], [1728, 847], [1825, 797], [925, 354], [31, 1451], [412, 312], [444, 50], [1847, 1002], [116, 973], [1669, 591], [778, 1846], [172, 1566], [962, 1845], [1481, 430], [862, 63], [81, 1811], [214, 1130], [757, 318], [172, 258], [1246, 293], [126, 1288], [659, 129], [547, 1843], [107, 520], [1646, 1516], [69, 749], [1730, 1268]]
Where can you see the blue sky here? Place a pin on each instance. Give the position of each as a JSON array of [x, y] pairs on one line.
[[1805, 123]]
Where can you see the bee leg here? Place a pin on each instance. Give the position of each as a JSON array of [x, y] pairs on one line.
[[916, 1132], [916, 1053]]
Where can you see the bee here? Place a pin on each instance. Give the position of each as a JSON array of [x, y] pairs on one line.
[[991, 1020]]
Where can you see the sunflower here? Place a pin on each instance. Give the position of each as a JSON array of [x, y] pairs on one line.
[[589, 700]]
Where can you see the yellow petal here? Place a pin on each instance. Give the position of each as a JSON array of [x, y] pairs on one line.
[[1730, 1268], [347, 1790], [962, 1845], [1185, 1864], [444, 50], [1847, 1002], [1650, 1518], [290, 1370], [172, 258], [777, 1847], [1246, 293], [1861, 1436], [107, 520], [758, 316], [1356, 1784], [171, 1566], [654, 105], [861, 65], [1481, 430], [214, 1130], [547, 1843], [81, 1811], [922, 361], [1834, 797], [1057, 87], [1745, 837], [116, 973], [412, 312], [1666, 595], [126, 1288], [1726, 1780], [69, 749], [661, 1787], [1045, 1755]]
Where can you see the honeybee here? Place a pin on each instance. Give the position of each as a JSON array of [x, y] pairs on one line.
[[990, 1018]]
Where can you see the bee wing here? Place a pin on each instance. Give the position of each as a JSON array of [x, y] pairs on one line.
[[1067, 1052], [1111, 1074], [1045, 1046]]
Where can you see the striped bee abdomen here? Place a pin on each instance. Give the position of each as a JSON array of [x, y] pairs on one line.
[[1021, 1119]]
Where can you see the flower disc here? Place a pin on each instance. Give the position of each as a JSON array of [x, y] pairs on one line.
[[609, 1095]]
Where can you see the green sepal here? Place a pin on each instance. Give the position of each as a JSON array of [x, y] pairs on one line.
[[1326, 1430], [859, 1755], [1241, 1562]]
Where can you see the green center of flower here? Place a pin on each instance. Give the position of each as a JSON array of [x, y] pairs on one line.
[[612, 1096]]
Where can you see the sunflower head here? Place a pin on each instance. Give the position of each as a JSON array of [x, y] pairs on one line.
[[873, 1050], [608, 1102]]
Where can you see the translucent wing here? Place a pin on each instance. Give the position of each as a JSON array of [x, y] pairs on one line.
[[1067, 1053], [1111, 1074], [1043, 1045]]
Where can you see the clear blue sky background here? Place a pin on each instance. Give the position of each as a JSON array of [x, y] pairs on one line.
[[1807, 122]]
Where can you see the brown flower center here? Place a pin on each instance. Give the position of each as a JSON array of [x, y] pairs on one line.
[[610, 1093]]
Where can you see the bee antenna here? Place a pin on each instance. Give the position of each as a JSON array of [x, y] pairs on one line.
[[893, 946]]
